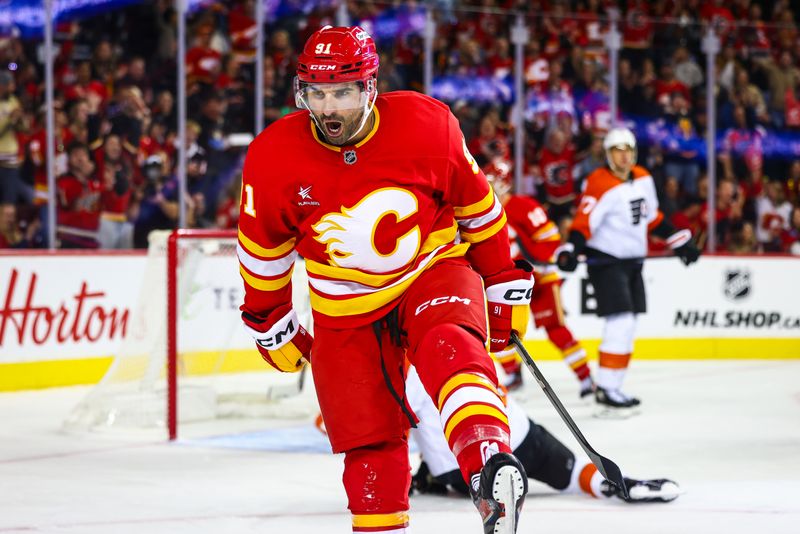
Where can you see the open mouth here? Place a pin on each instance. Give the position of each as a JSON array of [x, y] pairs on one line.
[[333, 128]]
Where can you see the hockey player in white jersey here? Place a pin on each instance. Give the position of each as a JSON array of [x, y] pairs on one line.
[[544, 457], [617, 211]]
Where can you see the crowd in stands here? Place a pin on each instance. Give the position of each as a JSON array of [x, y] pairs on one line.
[[116, 119]]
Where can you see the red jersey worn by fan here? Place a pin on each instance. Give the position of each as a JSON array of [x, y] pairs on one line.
[[400, 232], [557, 177]]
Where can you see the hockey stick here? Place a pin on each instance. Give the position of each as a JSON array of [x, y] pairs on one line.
[[607, 468], [602, 261], [280, 391]]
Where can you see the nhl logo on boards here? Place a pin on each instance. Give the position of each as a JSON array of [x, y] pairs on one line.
[[350, 157], [737, 284]]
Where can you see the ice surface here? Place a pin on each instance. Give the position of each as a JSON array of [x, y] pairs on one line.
[[727, 431]]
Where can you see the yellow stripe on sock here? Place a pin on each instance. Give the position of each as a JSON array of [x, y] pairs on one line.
[[469, 411], [396, 519], [460, 380]]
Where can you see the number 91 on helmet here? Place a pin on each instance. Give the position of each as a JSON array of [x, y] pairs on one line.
[[336, 81]]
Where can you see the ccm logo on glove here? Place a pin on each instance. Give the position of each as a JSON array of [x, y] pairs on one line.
[[280, 334]]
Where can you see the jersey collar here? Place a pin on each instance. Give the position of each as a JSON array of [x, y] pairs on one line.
[[357, 145]]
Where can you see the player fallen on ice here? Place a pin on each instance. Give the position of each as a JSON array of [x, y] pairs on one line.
[[534, 237], [406, 249], [544, 457], [617, 211]]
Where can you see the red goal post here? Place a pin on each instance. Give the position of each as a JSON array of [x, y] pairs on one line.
[[172, 315]]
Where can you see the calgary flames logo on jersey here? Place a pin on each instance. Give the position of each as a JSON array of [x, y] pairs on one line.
[[349, 235]]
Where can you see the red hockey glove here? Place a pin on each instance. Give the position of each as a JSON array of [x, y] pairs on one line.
[[509, 297], [280, 338]]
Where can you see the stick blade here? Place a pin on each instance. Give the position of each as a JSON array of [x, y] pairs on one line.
[[612, 473]]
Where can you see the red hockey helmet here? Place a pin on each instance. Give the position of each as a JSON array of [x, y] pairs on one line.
[[343, 54]]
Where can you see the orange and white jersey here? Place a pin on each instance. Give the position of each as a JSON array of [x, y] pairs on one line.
[[615, 216], [368, 219]]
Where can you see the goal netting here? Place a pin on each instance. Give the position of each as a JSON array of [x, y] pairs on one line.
[[186, 361]]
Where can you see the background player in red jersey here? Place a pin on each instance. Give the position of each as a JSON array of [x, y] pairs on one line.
[[618, 209], [400, 232], [535, 238]]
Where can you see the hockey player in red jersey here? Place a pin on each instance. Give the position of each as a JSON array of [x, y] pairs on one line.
[[618, 209], [400, 233], [535, 238]]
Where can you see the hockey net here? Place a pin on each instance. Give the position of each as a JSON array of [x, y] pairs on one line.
[[186, 361]]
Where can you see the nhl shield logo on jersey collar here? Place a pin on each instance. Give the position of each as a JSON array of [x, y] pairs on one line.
[[350, 156]]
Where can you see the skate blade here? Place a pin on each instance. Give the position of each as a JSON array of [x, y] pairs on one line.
[[607, 412], [509, 487]]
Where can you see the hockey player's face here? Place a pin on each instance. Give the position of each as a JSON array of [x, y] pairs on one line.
[[338, 108], [622, 158]]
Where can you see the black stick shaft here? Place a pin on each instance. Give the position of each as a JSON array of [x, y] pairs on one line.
[[607, 468]]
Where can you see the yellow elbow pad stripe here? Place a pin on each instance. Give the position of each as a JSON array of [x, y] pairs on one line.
[[266, 285], [483, 235], [482, 205]]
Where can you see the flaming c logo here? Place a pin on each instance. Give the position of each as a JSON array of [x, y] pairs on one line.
[[349, 235]]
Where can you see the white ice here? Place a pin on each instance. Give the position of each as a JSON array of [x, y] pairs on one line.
[[727, 431]]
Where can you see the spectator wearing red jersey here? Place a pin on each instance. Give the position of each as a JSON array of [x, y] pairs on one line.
[[719, 16], [243, 30], [228, 210], [490, 142], [637, 32], [667, 85], [773, 215], [203, 63], [283, 57], [78, 195], [115, 173], [728, 210], [157, 141], [754, 39], [500, 61], [85, 86], [742, 147], [556, 162]]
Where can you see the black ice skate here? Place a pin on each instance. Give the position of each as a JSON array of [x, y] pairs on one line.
[[500, 494], [614, 404], [640, 491], [587, 388]]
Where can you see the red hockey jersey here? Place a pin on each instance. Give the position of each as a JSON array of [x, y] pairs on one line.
[[533, 235], [368, 218]]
